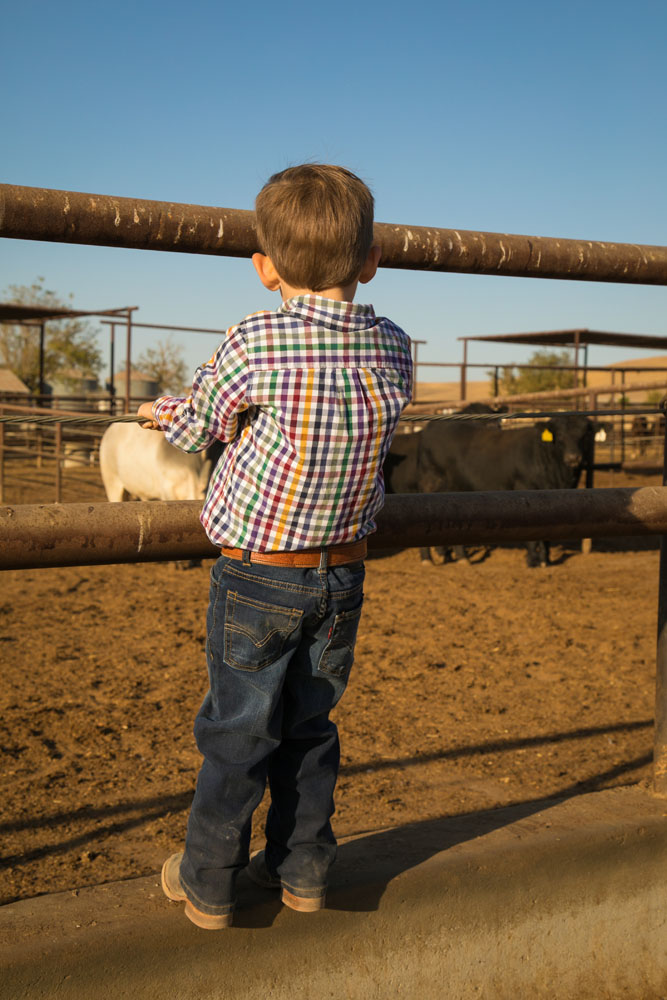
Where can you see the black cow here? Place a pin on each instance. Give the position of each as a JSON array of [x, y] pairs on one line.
[[401, 466], [469, 456], [546, 456], [402, 474]]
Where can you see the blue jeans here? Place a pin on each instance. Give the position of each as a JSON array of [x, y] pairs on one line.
[[280, 645]]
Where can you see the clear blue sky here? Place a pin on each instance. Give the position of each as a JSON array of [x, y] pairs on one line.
[[521, 117]]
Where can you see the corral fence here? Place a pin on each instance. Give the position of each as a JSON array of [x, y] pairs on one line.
[[632, 435], [53, 535], [40, 449]]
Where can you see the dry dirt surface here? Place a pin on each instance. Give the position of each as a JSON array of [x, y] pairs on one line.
[[474, 687]]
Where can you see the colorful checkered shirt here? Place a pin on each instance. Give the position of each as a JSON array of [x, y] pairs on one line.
[[322, 384]]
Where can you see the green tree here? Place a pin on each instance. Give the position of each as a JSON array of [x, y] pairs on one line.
[[71, 347], [166, 364], [546, 372]]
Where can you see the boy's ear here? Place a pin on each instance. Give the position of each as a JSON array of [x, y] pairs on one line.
[[370, 267], [266, 271]]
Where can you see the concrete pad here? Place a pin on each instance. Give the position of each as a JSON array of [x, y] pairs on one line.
[[558, 899]]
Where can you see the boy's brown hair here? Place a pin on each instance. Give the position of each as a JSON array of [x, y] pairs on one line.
[[315, 222]]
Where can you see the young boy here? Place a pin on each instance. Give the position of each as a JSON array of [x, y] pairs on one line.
[[308, 398]]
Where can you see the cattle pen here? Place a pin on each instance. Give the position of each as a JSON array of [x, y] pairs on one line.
[[35, 536]]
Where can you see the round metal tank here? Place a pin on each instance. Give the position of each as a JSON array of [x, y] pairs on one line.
[[140, 385]]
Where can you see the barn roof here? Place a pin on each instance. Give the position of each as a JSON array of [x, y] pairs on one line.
[[9, 382], [570, 338]]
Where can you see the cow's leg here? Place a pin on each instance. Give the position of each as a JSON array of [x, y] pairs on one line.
[[440, 554], [425, 555], [115, 491], [537, 554], [187, 563]]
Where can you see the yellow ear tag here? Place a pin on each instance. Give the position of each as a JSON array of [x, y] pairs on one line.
[[547, 435]]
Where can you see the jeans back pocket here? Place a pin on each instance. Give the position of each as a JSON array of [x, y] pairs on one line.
[[338, 654], [255, 632]]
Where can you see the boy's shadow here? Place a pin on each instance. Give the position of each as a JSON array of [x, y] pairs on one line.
[[365, 866], [368, 863]]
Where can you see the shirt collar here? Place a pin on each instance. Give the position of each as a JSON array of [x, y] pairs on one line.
[[318, 310]]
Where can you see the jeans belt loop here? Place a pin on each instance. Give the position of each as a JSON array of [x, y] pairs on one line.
[[246, 557]]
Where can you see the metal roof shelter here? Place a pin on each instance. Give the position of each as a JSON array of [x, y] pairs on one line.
[[12, 312], [577, 338], [33, 315]]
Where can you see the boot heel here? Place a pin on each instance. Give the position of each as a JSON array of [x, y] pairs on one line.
[[207, 921], [303, 904]]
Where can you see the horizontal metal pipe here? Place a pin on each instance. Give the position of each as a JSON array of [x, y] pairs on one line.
[[205, 329], [34, 536], [608, 388], [29, 213], [598, 390]]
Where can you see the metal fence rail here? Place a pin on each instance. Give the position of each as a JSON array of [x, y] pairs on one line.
[[30, 213], [36, 535]]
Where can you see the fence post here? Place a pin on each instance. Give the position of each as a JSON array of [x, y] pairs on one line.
[[464, 372], [587, 543], [660, 746], [623, 402], [413, 387], [59, 441], [2, 457]]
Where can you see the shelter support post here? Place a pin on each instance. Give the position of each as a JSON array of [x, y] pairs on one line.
[[128, 362], [112, 351], [660, 746]]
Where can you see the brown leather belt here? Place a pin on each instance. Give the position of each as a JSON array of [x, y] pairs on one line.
[[338, 555]]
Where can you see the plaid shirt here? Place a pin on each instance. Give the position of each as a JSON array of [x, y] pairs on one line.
[[309, 397]]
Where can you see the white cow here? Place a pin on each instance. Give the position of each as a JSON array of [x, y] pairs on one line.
[[142, 464]]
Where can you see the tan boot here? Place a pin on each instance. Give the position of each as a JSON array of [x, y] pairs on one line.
[[173, 889]]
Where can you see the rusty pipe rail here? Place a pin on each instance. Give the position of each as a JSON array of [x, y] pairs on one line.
[[35, 536], [29, 213]]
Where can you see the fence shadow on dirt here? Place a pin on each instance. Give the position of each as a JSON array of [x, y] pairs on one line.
[[434, 834]]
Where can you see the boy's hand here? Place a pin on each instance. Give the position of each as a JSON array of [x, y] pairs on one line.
[[146, 410]]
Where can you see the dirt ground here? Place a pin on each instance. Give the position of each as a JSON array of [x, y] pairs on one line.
[[473, 687]]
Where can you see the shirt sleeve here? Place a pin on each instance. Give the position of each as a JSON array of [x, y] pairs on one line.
[[218, 395]]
